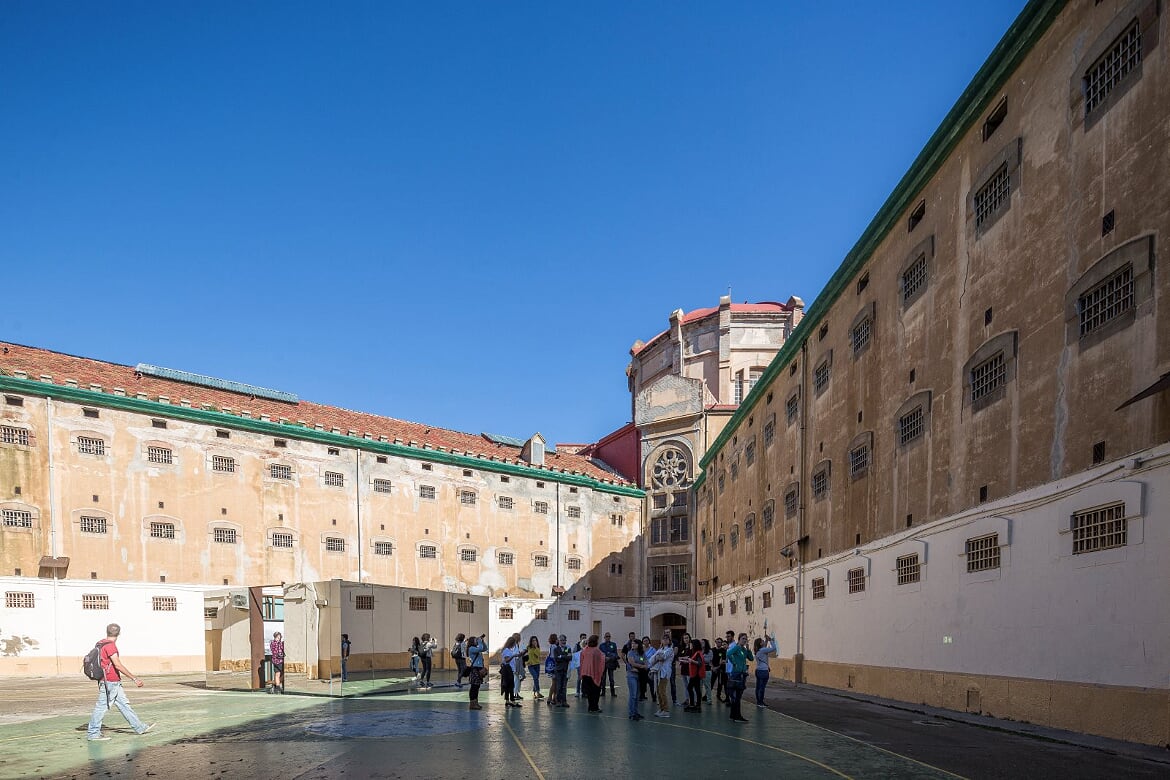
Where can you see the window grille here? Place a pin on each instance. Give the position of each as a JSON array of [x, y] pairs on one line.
[[992, 196], [383, 548], [417, 603], [821, 376], [769, 432], [162, 530], [738, 389], [210, 613], [282, 540], [748, 604], [506, 558], [749, 527], [540, 507], [223, 463], [792, 407], [818, 587], [12, 435], [749, 452], [90, 446], [466, 606], [734, 604], [1107, 301], [680, 577], [820, 484], [910, 427], [1106, 73], [505, 613], [790, 503], [983, 553], [164, 603], [734, 536], [617, 520], [789, 594], [573, 511], [223, 535], [573, 564], [861, 334], [722, 482], [93, 525], [426, 492], [19, 600], [428, 551], [467, 497], [17, 518], [769, 514], [1099, 529], [468, 554], [574, 614], [719, 610], [505, 502], [734, 471], [909, 569], [95, 601], [278, 471], [364, 603], [859, 461], [540, 561], [382, 486], [988, 376], [856, 580], [334, 479], [914, 278], [334, 544], [160, 455], [767, 597], [542, 613]]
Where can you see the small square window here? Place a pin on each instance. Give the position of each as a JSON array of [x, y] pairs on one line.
[[280, 471], [282, 540], [91, 413], [381, 459], [13, 400], [916, 215], [160, 455], [164, 603], [540, 507], [506, 613], [334, 479], [158, 423], [467, 472], [382, 486], [540, 561], [334, 544], [383, 548], [504, 502], [335, 451], [428, 551], [573, 564], [363, 603], [466, 606], [419, 603], [506, 558], [995, 119], [224, 535], [222, 434], [468, 555], [909, 569], [573, 511], [282, 443], [426, 492], [574, 614]]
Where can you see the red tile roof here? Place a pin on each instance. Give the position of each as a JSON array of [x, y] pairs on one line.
[[85, 371]]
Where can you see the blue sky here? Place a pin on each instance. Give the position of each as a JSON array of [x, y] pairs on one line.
[[461, 214]]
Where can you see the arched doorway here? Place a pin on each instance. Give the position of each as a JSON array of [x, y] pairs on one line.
[[673, 622]]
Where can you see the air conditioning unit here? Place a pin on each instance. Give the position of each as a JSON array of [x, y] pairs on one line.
[[240, 601]]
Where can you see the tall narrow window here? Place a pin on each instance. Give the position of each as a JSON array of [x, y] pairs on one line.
[[914, 279], [1122, 57], [910, 426], [993, 195], [909, 569], [988, 376]]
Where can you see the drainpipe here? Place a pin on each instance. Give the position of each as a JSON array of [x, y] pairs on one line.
[[798, 660], [357, 464], [53, 517], [557, 550]]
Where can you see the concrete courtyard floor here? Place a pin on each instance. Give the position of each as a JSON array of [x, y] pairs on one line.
[[385, 729]]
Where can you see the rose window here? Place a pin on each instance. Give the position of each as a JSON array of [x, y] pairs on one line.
[[671, 469]]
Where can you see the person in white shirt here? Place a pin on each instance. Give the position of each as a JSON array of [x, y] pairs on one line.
[[764, 652], [660, 671]]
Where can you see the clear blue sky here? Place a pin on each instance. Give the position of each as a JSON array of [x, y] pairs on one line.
[[461, 214]]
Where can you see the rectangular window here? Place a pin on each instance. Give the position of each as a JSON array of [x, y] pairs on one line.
[[160, 455], [223, 535], [426, 492], [910, 426], [540, 507], [210, 613], [856, 580], [749, 452], [719, 610], [1107, 301], [659, 579], [506, 558], [468, 555], [983, 553], [17, 518], [95, 601], [428, 551], [859, 461], [574, 614], [861, 334], [334, 544], [680, 530], [769, 432], [279, 471], [334, 450], [504, 502], [282, 540], [90, 446], [365, 603], [734, 605], [629, 612], [162, 530], [505, 613], [909, 569], [14, 400], [1106, 73], [94, 413], [818, 587], [540, 561], [769, 515], [164, 603], [820, 484], [573, 511], [993, 195], [988, 376], [792, 408], [466, 606], [93, 525], [767, 598], [1099, 529], [914, 279], [467, 497], [790, 505], [542, 613], [821, 376], [789, 594], [12, 435], [223, 463], [334, 479], [749, 604], [382, 486], [680, 577], [383, 548], [418, 603], [573, 564], [19, 600]]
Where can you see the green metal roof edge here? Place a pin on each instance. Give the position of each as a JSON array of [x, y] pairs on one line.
[[295, 431], [1033, 21]]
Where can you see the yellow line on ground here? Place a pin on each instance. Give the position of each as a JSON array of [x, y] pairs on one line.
[[523, 750]]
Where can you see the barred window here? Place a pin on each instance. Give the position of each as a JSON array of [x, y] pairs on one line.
[[983, 553], [505, 502], [466, 606], [748, 604], [164, 603], [769, 514], [680, 577], [859, 461], [505, 613], [279, 471], [909, 569], [789, 594], [160, 530], [749, 527], [910, 426], [616, 520], [993, 195], [818, 587], [821, 376], [383, 548], [426, 492], [334, 544], [658, 579], [418, 603], [468, 555], [1107, 301], [540, 561], [12, 435], [506, 558], [95, 601], [792, 407], [467, 497], [1099, 528], [540, 507], [767, 597], [223, 535], [160, 455], [769, 432], [719, 610], [382, 486], [365, 602], [87, 445], [749, 452], [574, 614], [820, 484], [19, 600], [734, 471], [856, 580], [334, 479], [573, 564], [1119, 61], [93, 525], [914, 279], [988, 376], [734, 536], [428, 551], [210, 613], [861, 334], [573, 511], [17, 518], [722, 482], [223, 463], [790, 503], [282, 540], [542, 613]]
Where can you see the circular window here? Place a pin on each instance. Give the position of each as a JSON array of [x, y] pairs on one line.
[[671, 469]]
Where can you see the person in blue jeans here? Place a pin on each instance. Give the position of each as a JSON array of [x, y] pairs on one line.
[[763, 671], [110, 691], [738, 656], [345, 644], [635, 667]]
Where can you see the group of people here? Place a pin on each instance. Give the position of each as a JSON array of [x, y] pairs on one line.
[[422, 651]]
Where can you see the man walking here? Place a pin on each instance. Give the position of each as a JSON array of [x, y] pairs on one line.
[[110, 692]]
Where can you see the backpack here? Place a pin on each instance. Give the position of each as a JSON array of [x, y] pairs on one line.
[[550, 664], [457, 650], [92, 663]]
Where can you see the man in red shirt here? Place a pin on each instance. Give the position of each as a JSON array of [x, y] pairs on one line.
[[110, 692]]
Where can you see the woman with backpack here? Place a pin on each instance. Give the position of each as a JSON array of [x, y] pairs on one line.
[[550, 668], [532, 661], [459, 656]]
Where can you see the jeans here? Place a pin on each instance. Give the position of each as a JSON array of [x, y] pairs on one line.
[[578, 683], [761, 684], [534, 670], [608, 674], [632, 684], [425, 676], [707, 684], [562, 683], [111, 694], [344, 668], [736, 683]]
